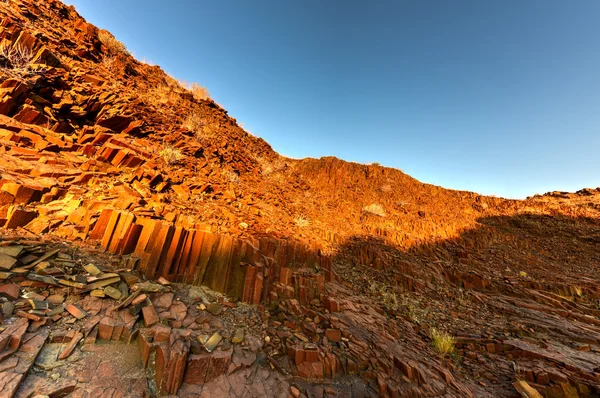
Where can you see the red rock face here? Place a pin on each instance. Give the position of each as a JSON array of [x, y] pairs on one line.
[[344, 270]]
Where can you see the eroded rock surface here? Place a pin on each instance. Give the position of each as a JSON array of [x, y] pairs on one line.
[[150, 246]]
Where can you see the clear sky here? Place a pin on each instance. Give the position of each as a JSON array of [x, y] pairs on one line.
[[498, 97]]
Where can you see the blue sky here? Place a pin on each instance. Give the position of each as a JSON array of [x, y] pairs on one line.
[[497, 97]]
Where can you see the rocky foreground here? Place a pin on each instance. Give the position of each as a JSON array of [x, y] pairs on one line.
[[149, 246]]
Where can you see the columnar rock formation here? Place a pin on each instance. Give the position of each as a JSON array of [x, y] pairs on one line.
[[150, 246]]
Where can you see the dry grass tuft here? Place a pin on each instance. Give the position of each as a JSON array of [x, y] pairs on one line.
[[16, 61], [113, 45], [375, 209], [301, 221], [442, 341], [170, 154]]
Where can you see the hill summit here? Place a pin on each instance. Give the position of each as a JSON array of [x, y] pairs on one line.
[[149, 246]]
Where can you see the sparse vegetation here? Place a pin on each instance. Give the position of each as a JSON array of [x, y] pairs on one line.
[[388, 296], [375, 209], [301, 221], [411, 313], [195, 123], [390, 300], [113, 45], [232, 176], [386, 188], [170, 154], [161, 95], [110, 63], [199, 92], [15, 61], [442, 341], [270, 167]]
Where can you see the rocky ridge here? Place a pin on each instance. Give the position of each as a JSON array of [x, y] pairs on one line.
[[312, 277]]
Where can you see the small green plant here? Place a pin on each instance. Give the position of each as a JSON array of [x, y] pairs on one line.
[[523, 274], [442, 341], [113, 45], [170, 154], [375, 209], [301, 221]]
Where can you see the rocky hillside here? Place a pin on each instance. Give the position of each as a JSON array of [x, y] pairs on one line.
[[276, 276]]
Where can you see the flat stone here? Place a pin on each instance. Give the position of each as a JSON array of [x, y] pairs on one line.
[[97, 293], [150, 315], [10, 291], [238, 336], [7, 262], [92, 269], [214, 308], [56, 299], [76, 311], [213, 342], [12, 251], [8, 309], [112, 292]]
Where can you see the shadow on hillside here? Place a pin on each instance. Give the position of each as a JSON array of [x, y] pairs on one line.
[[486, 282], [547, 248]]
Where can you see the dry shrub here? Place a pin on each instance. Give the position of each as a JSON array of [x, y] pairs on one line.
[[110, 63], [442, 341], [386, 188], [199, 92], [170, 154], [113, 45], [195, 123], [375, 209], [16, 61]]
